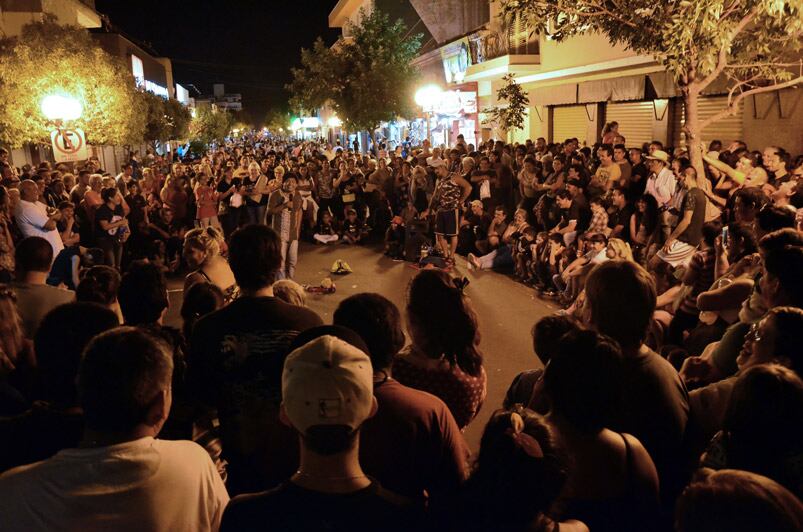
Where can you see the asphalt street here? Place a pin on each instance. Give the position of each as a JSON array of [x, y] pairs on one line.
[[507, 309]]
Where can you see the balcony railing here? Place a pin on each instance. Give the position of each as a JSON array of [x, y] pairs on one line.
[[492, 44]]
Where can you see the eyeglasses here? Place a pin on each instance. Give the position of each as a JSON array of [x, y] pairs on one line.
[[753, 334]]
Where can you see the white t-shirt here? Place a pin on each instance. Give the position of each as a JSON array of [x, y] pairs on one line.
[[145, 484], [31, 218]]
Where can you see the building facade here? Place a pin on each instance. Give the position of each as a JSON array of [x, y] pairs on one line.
[[574, 86]]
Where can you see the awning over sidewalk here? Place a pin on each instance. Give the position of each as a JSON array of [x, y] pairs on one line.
[[557, 95], [664, 86], [622, 89]]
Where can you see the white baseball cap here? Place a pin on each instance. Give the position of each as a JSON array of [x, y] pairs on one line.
[[327, 381]]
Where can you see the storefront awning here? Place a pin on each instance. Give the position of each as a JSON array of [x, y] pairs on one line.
[[611, 90], [558, 95], [664, 86]]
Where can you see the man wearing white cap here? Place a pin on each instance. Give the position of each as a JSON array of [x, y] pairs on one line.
[[327, 394], [661, 182]]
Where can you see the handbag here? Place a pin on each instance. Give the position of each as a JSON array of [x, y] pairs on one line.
[[351, 197]]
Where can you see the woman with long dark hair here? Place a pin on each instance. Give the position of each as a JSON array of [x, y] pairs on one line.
[[643, 224], [444, 358]]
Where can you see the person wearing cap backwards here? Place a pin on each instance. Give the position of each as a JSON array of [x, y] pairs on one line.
[[450, 193], [661, 182], [327, 394]]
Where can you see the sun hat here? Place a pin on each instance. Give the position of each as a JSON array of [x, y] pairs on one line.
[[659, 155]]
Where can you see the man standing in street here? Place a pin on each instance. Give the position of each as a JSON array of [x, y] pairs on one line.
[[33, 218], [451, 191]]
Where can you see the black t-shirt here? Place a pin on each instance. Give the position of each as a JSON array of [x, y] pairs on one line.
[[694, 201], [621, 217], [236, 359], [291, 507], [580, 211], [107, 214]]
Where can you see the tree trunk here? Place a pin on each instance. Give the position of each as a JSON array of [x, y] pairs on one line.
[[691, 127]]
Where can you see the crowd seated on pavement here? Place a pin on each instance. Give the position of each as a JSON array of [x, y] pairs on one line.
[[665, 391]]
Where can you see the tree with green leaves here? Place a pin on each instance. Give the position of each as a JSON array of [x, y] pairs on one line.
[[512, 106], [277, 120], [366, 78], [166, 119], [753, 44], [210, 124], [48, 58]]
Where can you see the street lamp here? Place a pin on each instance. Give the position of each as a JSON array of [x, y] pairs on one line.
[[58, 108], [427, 97]]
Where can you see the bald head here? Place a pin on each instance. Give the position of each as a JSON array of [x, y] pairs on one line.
[[29, 191]]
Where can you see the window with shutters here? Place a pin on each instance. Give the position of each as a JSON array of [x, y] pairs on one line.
[[521, 40]]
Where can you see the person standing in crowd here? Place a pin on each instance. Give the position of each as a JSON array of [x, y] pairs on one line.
[[34, 219], [120, 475], [35, 298], [428, 451], [444, 358], [111, 227], [285, 208], [327, 387], [237, 355], [451, 192]]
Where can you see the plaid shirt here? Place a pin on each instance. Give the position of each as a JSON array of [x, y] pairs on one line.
[[599, 222]]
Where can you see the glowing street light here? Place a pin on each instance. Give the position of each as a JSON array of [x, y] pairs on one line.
[[61, 108], [427, 97], [334, 121]]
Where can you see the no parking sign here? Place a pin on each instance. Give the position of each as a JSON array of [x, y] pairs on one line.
[[69, 145]]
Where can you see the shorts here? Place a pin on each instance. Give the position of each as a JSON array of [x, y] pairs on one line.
[[447, 222], [680, 254]]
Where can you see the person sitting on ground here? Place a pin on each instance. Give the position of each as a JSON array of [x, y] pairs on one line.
[[327, 395], [202, 254], [737, 501], [325, 231], [412, 445], [444, 358], [518, 477], [394, 239], [620, 302], [17, 358], [120, 477], [780, 284], [776, 339], [235, 363], [761, 431], [290, 292], [502, 256], [54, 421], [546, 334], [353, 230], [35, 298], [612, 484]]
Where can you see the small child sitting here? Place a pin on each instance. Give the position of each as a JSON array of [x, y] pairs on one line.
[[394, 239], [522, 252], [325, 232], [353, 228]]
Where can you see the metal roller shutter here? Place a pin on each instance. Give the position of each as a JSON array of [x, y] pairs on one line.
[[726, 129], [569, 121], [635, 120]]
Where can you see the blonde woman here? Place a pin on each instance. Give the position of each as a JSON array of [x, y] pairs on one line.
[[202, 253], [255, 190]]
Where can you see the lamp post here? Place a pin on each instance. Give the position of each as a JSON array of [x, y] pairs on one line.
[[427, 97]]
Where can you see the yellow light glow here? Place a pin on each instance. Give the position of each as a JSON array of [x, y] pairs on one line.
[[334, 121], [428, 96], [59, 107]]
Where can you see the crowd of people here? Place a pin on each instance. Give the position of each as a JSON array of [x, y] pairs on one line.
[[668, 393]]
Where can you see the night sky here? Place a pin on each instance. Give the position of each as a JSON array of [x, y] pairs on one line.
[[250, 45]]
